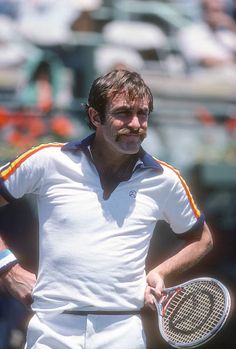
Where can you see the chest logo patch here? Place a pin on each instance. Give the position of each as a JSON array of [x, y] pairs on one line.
[[133, 194]]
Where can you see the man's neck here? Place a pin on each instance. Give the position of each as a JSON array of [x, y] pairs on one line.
[[112, 167], [112, 161]]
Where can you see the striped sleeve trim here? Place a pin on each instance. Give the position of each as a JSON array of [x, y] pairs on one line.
[[11, 168], [196, 211], [6, 258]]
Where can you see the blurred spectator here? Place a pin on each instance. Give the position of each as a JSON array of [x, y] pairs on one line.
[[51, 26], [47, 83], [49, 22], [211, 42]]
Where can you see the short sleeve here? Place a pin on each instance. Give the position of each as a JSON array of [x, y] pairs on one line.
[[22, 176], [180, 210]]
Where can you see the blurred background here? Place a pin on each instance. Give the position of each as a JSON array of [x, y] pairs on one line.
[[51, 51]]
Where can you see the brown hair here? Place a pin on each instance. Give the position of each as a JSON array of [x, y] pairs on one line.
[[107, 86]]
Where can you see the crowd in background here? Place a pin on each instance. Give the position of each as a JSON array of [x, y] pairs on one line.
[[51, 50]]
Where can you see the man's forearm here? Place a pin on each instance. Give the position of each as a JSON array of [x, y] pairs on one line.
[[15, 279], [188, 256]]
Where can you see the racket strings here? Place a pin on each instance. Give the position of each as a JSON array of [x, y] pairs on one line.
[[194, 312]]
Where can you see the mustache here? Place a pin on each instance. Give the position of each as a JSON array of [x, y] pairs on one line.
[[129, 131]]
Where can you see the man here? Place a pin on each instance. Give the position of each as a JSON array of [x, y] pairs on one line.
[[210, 43], [98, 203]]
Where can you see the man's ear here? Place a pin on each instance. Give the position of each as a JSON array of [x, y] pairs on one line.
[[94, 117]]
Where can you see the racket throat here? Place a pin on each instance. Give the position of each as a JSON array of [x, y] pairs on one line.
[[166, 298]]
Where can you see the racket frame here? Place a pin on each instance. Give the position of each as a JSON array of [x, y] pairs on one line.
[[164, 301]]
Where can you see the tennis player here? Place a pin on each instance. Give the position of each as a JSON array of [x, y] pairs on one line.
[[99, 200]]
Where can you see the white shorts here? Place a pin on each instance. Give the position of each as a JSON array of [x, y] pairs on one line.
[[66, 331]]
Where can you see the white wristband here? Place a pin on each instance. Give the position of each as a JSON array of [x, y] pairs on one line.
[[7, 260]]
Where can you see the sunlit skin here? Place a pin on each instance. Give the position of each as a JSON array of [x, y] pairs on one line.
[[118, 139], [124, 128]]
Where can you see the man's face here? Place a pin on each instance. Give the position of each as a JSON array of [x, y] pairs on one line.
[[212, 10], [125, 124]]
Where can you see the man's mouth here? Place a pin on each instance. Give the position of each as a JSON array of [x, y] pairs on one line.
[[126, 132], [131, 133]]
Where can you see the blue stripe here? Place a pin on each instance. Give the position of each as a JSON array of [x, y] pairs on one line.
[[4, 253]]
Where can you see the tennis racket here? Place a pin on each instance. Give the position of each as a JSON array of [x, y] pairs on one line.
[[193, 312]]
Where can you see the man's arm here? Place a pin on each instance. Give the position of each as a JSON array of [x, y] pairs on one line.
[[16, 280], [193, 251]]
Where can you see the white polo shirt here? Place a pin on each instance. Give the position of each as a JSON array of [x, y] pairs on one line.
[[92, 251]]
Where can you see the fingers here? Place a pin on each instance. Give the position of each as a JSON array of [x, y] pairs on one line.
[[154, 288], [149, 297], [19, 283], [27, 301]]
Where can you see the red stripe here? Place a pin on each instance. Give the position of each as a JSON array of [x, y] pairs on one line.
[[6, 173], [186, 188]]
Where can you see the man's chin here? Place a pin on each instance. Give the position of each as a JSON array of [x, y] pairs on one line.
[[129, 144], [131, 148]]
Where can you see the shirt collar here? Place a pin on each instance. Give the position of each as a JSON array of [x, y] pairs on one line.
[[145, 159], [79, 145]]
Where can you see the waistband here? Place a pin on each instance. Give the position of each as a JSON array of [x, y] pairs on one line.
[[101, 312]]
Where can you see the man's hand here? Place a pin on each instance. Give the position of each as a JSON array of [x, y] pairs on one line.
[[189, 255], [19, 283], [155, 286]]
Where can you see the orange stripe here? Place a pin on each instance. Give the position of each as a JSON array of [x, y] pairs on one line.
[[186, 188], [6, 173]]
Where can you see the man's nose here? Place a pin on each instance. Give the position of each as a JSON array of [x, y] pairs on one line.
[[134, 122]]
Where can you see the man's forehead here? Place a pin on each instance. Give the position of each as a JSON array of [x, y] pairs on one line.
[[124, 99]]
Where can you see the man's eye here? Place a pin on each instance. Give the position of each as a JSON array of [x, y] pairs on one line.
[[121, 114], [128, 114], [143, 115]]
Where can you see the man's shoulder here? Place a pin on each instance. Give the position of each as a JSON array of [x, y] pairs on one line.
[[167, 169], [46, 148], [40, 152]]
